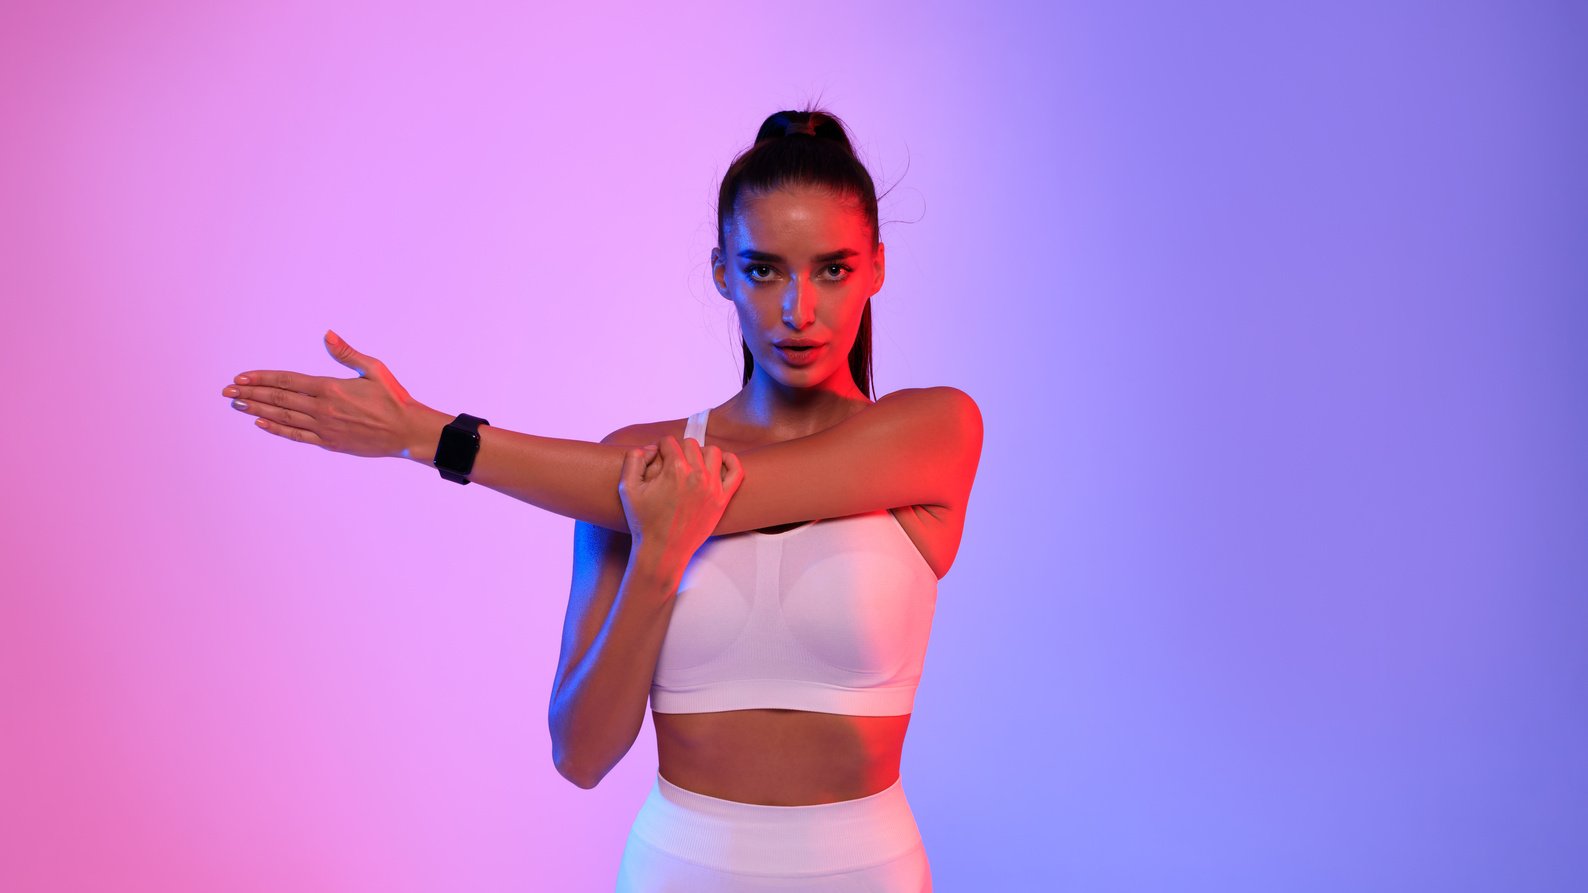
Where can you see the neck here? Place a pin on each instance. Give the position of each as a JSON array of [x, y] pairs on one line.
[[789, 412]]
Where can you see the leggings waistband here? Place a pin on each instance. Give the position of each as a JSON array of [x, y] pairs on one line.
[[817, 838]]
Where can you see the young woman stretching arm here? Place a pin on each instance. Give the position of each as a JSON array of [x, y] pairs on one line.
[[780, 662]]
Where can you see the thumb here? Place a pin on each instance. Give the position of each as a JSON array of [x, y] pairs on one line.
[[344, 353]]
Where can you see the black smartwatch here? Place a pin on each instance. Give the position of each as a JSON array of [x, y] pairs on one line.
[[459, 444]]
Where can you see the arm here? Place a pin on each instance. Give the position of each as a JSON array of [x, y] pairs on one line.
[[918, 446], [574, 478], [622, 602], [619, 608]]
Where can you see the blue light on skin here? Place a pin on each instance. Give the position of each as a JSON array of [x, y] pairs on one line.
[[797, 262]]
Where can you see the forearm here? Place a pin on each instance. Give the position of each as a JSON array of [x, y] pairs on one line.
[[599, 709], [573, 478]]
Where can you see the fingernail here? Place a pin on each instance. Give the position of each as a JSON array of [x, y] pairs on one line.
[[229, 392], [242, 379], [239, 404]]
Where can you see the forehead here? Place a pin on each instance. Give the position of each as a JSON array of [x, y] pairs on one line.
[[798, 217]]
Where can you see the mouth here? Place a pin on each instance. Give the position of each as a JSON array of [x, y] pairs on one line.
[[799, 355]]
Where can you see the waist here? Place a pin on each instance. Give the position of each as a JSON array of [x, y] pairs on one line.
[[779, 756], [818, 838]]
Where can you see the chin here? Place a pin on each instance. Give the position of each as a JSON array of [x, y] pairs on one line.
[[798, 378]]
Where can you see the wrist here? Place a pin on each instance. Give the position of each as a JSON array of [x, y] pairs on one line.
[[657, 565], [424, 433]]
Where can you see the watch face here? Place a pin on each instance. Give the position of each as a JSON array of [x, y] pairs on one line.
[[457, 449]]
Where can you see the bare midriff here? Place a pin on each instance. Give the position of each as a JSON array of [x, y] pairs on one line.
[[776, 757]]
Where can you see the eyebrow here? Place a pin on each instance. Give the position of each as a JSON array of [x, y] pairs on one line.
[[840, 254]]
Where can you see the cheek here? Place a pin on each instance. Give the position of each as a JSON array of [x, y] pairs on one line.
[[754, 320], [857, 309]]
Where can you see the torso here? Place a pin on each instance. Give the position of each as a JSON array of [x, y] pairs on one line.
[[779, 757]]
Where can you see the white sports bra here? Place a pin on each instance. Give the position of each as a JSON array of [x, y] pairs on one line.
[[832, 616]]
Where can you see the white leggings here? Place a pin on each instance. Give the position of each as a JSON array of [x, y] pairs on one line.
[[686, 842]]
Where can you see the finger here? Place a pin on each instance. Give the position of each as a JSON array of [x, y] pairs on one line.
[[344, 353], [288, 417], [651, 460], [692, 454], [734, 473], [672, 454], [312, 385], [290, 433], [303, 404], [711, 456], [628, 476]]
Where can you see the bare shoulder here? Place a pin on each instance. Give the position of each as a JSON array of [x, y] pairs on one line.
[[643, 433], [940, 404], [936, 395]]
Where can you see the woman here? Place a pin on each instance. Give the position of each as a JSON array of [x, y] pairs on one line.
[[767, 582]]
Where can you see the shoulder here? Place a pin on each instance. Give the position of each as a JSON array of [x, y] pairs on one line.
[[642, 433], [940, 404], [942, 419]]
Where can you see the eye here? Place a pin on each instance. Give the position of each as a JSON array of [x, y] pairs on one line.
[[844, 271], [749, 272]]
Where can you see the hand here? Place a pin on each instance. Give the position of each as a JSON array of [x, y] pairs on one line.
[[371, 415], [678, 504]]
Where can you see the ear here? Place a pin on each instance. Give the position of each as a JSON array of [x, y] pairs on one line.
[[719, 273], [878, 265]]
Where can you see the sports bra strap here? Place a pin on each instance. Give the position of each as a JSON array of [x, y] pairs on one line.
[[696, 427]]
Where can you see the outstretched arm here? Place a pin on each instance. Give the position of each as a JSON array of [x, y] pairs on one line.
[[919, 446]]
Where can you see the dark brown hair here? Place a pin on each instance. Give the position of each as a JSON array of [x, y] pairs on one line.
[[805, 147]]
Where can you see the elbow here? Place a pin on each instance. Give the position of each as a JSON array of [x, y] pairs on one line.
[[570, 766], [577, 774], [571, 760]]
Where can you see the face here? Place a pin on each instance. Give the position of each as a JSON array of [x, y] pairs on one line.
[[799, 263]]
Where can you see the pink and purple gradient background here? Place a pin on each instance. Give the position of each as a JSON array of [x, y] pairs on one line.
[[1274, 576]]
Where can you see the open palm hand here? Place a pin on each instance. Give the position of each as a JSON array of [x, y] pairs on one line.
[[371, 415]]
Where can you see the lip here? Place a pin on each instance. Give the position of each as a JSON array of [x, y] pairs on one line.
[[798, 357], [799, 342]]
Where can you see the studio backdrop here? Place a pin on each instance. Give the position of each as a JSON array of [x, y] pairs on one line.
[[1272, 579]]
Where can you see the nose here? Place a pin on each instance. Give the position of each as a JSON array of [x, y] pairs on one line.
[[799, 303]]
